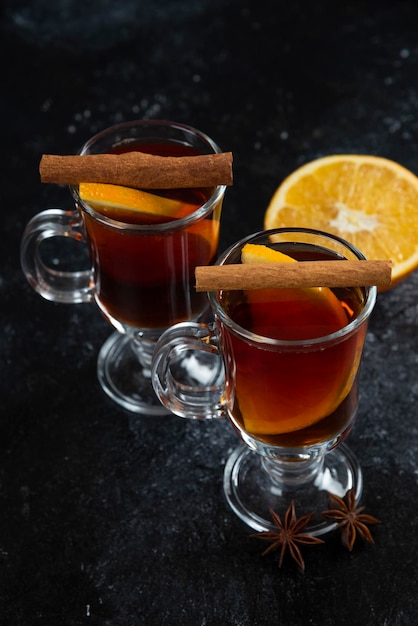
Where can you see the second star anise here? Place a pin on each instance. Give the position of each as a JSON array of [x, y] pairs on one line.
[[288, 535], [350, 518]]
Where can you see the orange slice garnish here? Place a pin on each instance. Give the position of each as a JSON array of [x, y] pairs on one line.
[[111, 200], [301, 303]]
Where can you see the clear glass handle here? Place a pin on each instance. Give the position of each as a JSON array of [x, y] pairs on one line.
[[188, 373], [53, 284]]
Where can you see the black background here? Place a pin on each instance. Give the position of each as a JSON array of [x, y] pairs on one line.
[[114, 519]]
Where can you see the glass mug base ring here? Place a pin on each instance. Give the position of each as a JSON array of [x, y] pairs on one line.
[[121, 375], [251, 493]]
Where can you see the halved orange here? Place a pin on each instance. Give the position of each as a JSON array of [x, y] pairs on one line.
[[369, 201], [107, 198]]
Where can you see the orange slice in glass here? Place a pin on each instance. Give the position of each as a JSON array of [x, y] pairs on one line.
[[114, 200], [296, 309], [257, 254]]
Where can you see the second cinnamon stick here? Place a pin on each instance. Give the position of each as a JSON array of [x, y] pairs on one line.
[[139, 170], [288, 275]]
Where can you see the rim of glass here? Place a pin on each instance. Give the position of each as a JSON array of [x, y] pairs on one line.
[[371, 294], [178, 224]]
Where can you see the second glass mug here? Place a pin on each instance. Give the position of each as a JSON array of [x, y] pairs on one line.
[[142, 270], [291, 397]]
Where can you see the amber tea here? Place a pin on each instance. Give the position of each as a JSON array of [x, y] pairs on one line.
[[145, 279], [298, 396]]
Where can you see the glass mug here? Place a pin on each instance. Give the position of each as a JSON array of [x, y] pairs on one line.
[[282, 365], [142, 268]]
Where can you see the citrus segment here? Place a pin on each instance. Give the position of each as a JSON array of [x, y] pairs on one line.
[[310, 296], [107, 198], [290, 314], [257, 253], [207, 229], [369, 201], [307, 297]]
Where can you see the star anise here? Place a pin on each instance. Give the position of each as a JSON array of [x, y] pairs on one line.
[[288, 535], [350, 518]]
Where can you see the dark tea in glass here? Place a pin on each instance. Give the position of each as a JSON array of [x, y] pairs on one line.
[[300, 396], [145, 278]]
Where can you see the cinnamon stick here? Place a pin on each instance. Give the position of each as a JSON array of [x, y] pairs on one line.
[[287, 275], [139, 170]]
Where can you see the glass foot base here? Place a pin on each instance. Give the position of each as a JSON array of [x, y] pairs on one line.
[[122, 377], [251, 492]]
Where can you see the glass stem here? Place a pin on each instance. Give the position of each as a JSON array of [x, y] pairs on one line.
[[143, 350], [292, 473]]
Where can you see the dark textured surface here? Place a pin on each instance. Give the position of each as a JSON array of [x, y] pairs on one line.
[[107, 518]]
